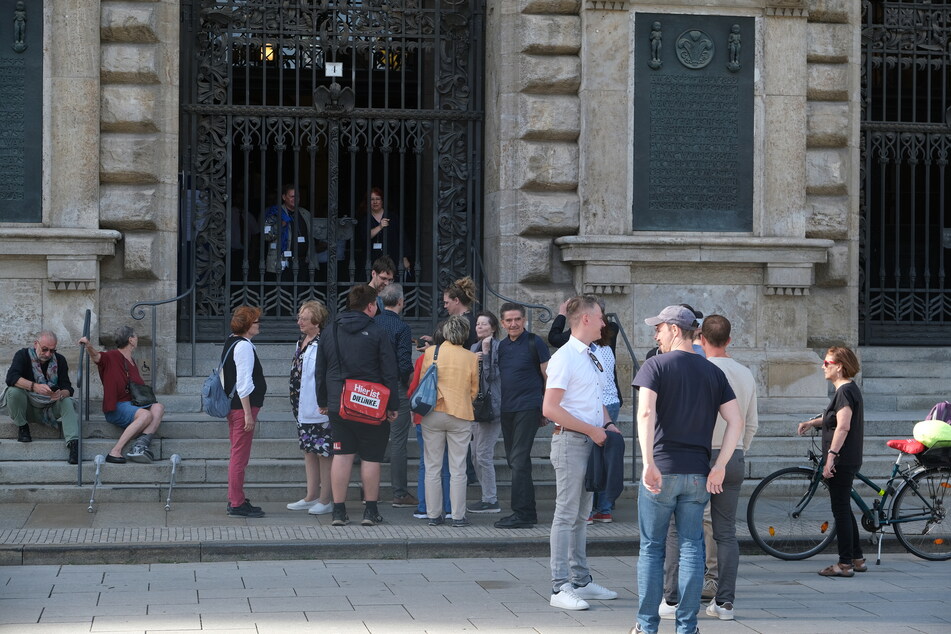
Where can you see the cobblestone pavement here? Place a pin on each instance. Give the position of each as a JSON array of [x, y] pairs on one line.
[[904, 594]]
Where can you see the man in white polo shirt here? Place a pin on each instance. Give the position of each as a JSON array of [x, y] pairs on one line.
[[573, 403]]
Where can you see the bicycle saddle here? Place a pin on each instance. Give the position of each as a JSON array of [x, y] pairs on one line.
[[909, 446]]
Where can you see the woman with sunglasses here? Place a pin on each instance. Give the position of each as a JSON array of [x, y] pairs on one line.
[[843, 433]]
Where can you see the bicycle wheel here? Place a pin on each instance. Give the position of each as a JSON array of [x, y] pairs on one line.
[[789, 518], [920, 513]]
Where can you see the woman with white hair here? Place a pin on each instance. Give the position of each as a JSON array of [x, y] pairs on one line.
[[450, 422]]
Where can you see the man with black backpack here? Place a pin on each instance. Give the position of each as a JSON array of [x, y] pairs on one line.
[[523, 357]]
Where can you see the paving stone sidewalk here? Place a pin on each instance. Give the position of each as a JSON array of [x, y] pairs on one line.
[[446, 596]]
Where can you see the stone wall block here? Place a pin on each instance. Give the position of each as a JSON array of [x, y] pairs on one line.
[[128, 23], [606, 41], [128, 207], [827, 217], [830, 10], [784, 55], [830, 43], [21, 311], [784, 197], [565, 7], [549, 34], [828, 124], [835, 272], [130, 64], [794, 375], [127, 158], [533, 259], [76, 25], [74, 152], [142, 255], [829, 82], [129, 108], [549, 74], [833, 318], [827, 172], [548, 166], [548, 117], [548, 214]]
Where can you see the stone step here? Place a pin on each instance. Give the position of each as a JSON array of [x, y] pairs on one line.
[[886, 354], [938, 389], [923, 369], [902, 402]]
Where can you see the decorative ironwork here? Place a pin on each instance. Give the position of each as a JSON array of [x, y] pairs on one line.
[[905, 141], [259, 110]]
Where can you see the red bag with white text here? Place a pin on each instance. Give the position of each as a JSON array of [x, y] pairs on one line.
[[364, 401]]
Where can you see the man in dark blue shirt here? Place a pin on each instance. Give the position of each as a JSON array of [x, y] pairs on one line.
[[402, 337], [522, 361]]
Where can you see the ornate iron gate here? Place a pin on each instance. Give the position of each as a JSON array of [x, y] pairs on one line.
[[339, 99], [906, 139]]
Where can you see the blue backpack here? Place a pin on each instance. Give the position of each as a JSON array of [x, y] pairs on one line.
[[423, 399], [214, 400]]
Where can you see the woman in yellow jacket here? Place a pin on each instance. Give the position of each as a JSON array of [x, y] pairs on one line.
[[450, 422]]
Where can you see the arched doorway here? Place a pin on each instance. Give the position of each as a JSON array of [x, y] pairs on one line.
[[335, 99]]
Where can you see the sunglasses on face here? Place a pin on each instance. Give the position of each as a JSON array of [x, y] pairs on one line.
[[44, 349], [826, 364]]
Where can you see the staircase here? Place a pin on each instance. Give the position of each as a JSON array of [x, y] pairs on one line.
[[899, 386]]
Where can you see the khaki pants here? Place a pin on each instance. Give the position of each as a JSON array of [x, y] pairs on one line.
[[23, 412]]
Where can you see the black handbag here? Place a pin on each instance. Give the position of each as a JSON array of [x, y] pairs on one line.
[[142, 395], [482, 404]]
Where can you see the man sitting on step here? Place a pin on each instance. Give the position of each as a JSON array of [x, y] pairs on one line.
[[38, 390]]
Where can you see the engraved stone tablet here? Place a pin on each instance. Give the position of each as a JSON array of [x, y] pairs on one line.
[[21, 110], [693, 122]]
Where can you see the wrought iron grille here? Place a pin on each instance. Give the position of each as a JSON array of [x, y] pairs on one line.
[[905, 141], [342, 100]]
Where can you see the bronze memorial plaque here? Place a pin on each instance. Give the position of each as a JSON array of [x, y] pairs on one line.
[[693, 122], [21, 110]]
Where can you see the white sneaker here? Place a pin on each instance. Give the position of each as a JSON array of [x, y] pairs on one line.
[[568, 600], [301, 505], [321, 509], [591, 592], [723, 612], [666, 610]]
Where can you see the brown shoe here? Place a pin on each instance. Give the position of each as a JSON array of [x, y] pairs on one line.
[[405, 501], [858, 565], [837, 570]]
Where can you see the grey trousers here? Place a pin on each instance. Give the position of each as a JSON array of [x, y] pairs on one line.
[[723, 515], [399, 432]]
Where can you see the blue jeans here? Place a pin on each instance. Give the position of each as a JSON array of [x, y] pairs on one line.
[[684, 496], [421, 477]]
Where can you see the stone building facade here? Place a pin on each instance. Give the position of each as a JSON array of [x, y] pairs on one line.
[[557, 178]]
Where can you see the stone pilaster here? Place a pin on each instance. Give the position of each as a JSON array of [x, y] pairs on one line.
[[138, 162], [532, 156]]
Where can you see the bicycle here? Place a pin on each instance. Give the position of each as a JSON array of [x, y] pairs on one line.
[[790, 516]]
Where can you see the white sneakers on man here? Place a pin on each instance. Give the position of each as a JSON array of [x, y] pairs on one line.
[[566, 599], [723, 612], [591, 592], [321, 509], [666, 610]]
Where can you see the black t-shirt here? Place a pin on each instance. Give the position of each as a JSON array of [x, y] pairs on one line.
[[847, 395], [690, 391]]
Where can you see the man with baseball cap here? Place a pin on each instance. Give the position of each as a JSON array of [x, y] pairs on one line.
[[681, 394]]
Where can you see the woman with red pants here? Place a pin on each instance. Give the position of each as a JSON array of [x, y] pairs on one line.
[[244, 377]]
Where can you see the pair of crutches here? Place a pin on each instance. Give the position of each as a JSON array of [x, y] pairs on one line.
[[175, 459]]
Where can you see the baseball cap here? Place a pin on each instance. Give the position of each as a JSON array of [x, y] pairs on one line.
[[676, 315]]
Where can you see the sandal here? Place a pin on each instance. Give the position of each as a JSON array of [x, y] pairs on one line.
[[837, 570], [859, 565]]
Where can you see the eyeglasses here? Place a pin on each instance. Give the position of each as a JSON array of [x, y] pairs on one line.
[[44, 349], [594, 360], [256, 322], [826, 364]]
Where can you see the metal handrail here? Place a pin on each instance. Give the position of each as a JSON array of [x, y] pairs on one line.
[[630, 350], [545, 314], [82, 385], [138, 313]]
